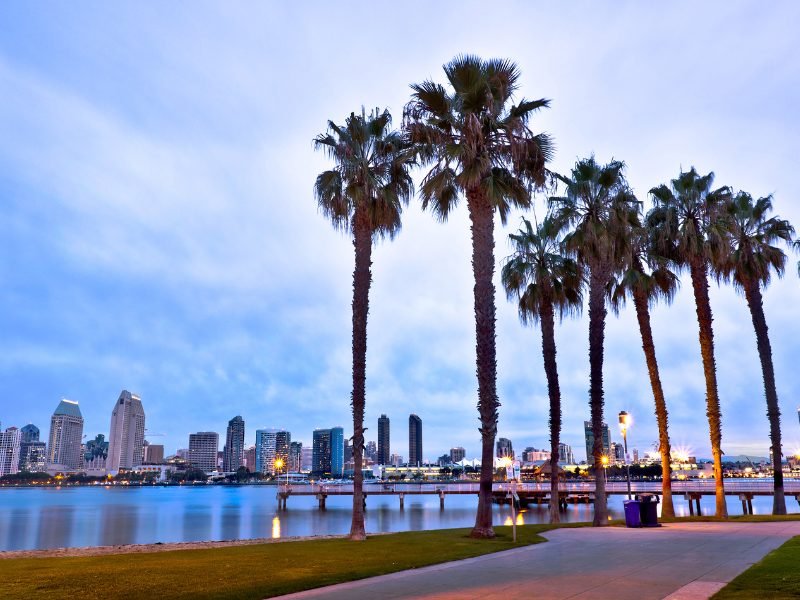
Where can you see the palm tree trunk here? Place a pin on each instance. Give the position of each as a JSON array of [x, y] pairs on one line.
[[706, 332], [752, 292], [554, 391], [598, 279], [482, 216], [643, 316], [362, 278]]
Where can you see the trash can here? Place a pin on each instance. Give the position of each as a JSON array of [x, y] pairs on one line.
[[633, 513], [649, 510]]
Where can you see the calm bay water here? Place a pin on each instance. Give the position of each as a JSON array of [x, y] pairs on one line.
[[36, 518]]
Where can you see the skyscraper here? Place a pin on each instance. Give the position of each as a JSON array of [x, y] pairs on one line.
[[266, 447], [587, 430], [30, 433], [153, 454], [9, 451], [126, 437], [295, 457], [565, 454], [457, 454], [250, 459], [233, 453], [283, 439], [321, 452], [32, 452], [384, 448], [414, 440], [505, 448], [337, 451], [66, 433], [203, 448], [371, 451]]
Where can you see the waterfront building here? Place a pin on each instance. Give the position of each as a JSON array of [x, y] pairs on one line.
[[565, 454], [182, 453], [635, 456], [395, 460], [30, 433], [321, 452], [348, 452], [587, 431], [457, 454], [10, 441], [371, 451], [203, 448], [266, 445], [33, 457], [153, 454], [295, 457], [384, 449], [337, 451], [126, 437], [306, 458], [531, 454], [283, 441], [414, 440], [66, 433], [616, 454], [233, 453], [504, 448], [250, 459]]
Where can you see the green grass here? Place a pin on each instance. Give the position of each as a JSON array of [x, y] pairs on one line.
[[246, 572], [776, 577]]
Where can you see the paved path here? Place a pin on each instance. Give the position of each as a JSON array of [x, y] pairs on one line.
[[686, 561]]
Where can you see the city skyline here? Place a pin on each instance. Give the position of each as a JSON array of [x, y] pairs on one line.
[[106, 276]]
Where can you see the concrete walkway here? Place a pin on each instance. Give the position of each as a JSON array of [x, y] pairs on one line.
[[686, 561]]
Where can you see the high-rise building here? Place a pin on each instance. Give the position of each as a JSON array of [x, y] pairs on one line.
[[306, 458], [126, 439], [371, 451], [337, 451], [616, 454], [30, 433], [233, 453], [9, 451], [203, 448], [66, 433], [295, 457], [283, 441], [414, 441], [250, 459], [635, 456], [153, 454], [384, 449], [587, 430], [504, 448], [396, 460], [32, 452], [565, 454], [531, 455], [266, 447], [348, 451], [321, 452], [457, 454]]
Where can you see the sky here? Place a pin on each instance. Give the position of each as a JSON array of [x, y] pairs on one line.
[[158, 230]]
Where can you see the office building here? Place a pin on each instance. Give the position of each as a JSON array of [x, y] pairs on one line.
[[616, 454], [337, 451], [32, 452], [66, 433], [395, 460], [10, 441], [233, 453], [504, 448], [531, 455], [321, 452], [587, 430], [283, 441], [371, 451], [153, 453], [635, 456], [250, 459], [457, 454], [30, 433], [306, 459], [126, 437], [348, 451], [565, 454], [384, 449], [414, 441], [265, 450], [203, 448], [295, 457]]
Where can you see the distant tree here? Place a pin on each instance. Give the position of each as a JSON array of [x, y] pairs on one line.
[[749, 263], [242, 474], [686, 229], [479, 145]]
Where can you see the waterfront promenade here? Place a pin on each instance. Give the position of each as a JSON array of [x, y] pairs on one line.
[[679, 561]]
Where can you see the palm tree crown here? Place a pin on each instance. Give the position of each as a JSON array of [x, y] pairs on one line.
[[370, 179]]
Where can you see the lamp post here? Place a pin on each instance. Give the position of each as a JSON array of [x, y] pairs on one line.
[[604, 460], [625, 422]]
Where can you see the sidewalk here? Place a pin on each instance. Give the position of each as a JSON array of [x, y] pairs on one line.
[[686, 561]]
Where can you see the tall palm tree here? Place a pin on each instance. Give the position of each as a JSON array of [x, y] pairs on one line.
[[687, 229], [749, 262], [363, 195], [646, 278], [478, 144], [544, 280], [598, 206]]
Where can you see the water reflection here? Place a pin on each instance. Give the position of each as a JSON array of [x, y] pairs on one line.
[[55, 527], [276, 528]]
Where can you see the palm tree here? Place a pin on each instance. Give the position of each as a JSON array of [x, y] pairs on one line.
[[363, 195], [646, 279], [478, 144], [749, 263], [544, 280], [686, 229], [597, 206]]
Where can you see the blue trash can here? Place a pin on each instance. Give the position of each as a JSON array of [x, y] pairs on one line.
[[633, 513]]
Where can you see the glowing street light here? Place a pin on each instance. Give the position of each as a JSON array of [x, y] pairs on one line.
[[604, 461], [625, 422]]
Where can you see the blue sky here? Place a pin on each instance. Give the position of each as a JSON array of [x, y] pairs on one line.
[[159, 232]]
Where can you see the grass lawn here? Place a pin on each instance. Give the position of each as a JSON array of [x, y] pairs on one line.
[[775, 577], [251, 572]]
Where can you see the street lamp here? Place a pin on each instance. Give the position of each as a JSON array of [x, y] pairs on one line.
[[279, 462], [625, 422], [604, 461]]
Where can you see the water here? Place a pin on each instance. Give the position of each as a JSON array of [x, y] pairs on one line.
[[36, 518]]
